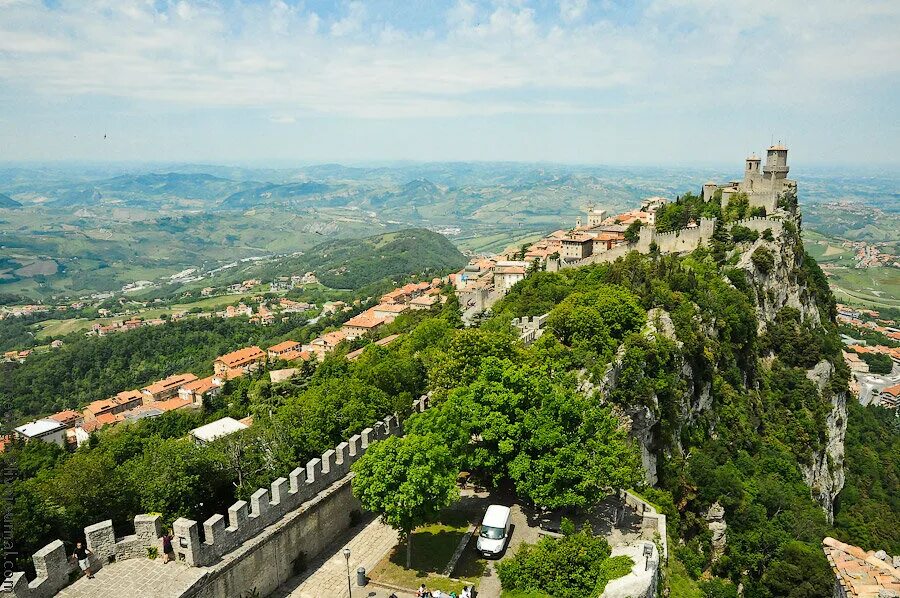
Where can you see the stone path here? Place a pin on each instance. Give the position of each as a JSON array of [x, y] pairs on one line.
[[136, 578], [326, 576]]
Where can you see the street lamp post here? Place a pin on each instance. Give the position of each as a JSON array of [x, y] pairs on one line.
[[349, 587]]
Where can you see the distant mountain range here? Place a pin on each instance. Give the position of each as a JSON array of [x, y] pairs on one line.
[[8, 202]]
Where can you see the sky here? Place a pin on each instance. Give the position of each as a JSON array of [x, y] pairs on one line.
[[663, 82]]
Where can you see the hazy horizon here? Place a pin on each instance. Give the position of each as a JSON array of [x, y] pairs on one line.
[[656, 82]]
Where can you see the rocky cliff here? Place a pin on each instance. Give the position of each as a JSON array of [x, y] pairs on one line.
[[779, 286], [783, 286], [825, 476]]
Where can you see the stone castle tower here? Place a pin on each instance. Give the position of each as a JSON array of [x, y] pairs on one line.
[[764, 187]]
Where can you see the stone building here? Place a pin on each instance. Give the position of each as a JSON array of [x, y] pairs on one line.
[[763, 184]]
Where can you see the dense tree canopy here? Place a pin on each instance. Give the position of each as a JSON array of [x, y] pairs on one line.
[[408, 481]]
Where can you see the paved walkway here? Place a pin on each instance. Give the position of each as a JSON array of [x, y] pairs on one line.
[[327, 574], [136, 578]]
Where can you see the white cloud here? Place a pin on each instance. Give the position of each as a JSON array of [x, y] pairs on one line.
[[283, 120], [501, 59], [572, 10], [352, 23]]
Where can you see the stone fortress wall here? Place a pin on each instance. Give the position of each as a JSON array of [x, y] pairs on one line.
[[299, 515], [680, 241]]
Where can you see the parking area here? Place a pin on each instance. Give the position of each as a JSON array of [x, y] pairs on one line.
[[373, 541]]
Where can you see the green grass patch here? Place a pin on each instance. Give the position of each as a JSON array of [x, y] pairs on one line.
[[432, 547]]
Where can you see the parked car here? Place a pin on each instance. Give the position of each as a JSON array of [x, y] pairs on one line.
[[494, 532]]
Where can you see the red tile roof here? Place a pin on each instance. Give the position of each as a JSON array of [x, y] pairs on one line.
[[364, 320], [200, 386], [284, 346], [66, 417], [169, 383], [242, 357]]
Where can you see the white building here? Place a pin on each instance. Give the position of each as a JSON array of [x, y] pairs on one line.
[[47, 430], [217, 429]]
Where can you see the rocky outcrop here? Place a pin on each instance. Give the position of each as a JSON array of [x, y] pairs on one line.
[[715, 519], [825, 475], [641, 420], [781, 286]]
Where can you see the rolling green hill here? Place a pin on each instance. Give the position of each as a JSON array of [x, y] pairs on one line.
[[355, 263]]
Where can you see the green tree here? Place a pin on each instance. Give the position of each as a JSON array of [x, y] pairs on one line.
[[407, 480], [633, 231], [800, 571], [576, 565]]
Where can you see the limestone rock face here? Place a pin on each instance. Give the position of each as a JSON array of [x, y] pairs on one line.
[[715, 518], [825, 476], [781, 287]]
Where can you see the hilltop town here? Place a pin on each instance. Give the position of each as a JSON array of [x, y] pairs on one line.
[[185, 390]]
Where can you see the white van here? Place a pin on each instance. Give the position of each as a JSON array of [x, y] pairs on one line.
[[494, 532]]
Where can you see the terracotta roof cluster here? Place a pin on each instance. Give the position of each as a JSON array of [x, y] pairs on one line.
[[859, 573], [284, 347], [67, 417], [170, 383], [366, 320], [201, 386], [242, 357]]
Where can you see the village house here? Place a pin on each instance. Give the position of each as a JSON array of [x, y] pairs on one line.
[[239, 362], [277, 351], [855, 362], [890, 397], [424, 302], [48, 430], [577, 246], [506, 274], [388, 311], [361, 325], [384, 342], [332, 307], [166, 388], [296, 355], [326, 343], [123, 401], [294, 307], [196, 390], [217, 429], [68, 418]]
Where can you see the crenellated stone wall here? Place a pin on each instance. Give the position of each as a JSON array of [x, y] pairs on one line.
[[295, 517], [761, 223], [244, 520], [679, 241]]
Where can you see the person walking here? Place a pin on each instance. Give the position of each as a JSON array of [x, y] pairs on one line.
[[82, 555], [168, 553]]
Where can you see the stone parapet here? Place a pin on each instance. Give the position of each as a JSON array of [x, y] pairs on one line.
[[221, 535], [650, 515]]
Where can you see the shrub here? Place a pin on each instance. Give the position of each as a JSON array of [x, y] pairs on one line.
[[763, 259], [742, 234], [767, 235], [573, 566]]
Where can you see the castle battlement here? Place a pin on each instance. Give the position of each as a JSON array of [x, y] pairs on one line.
[[245, 520], [682, 240]]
